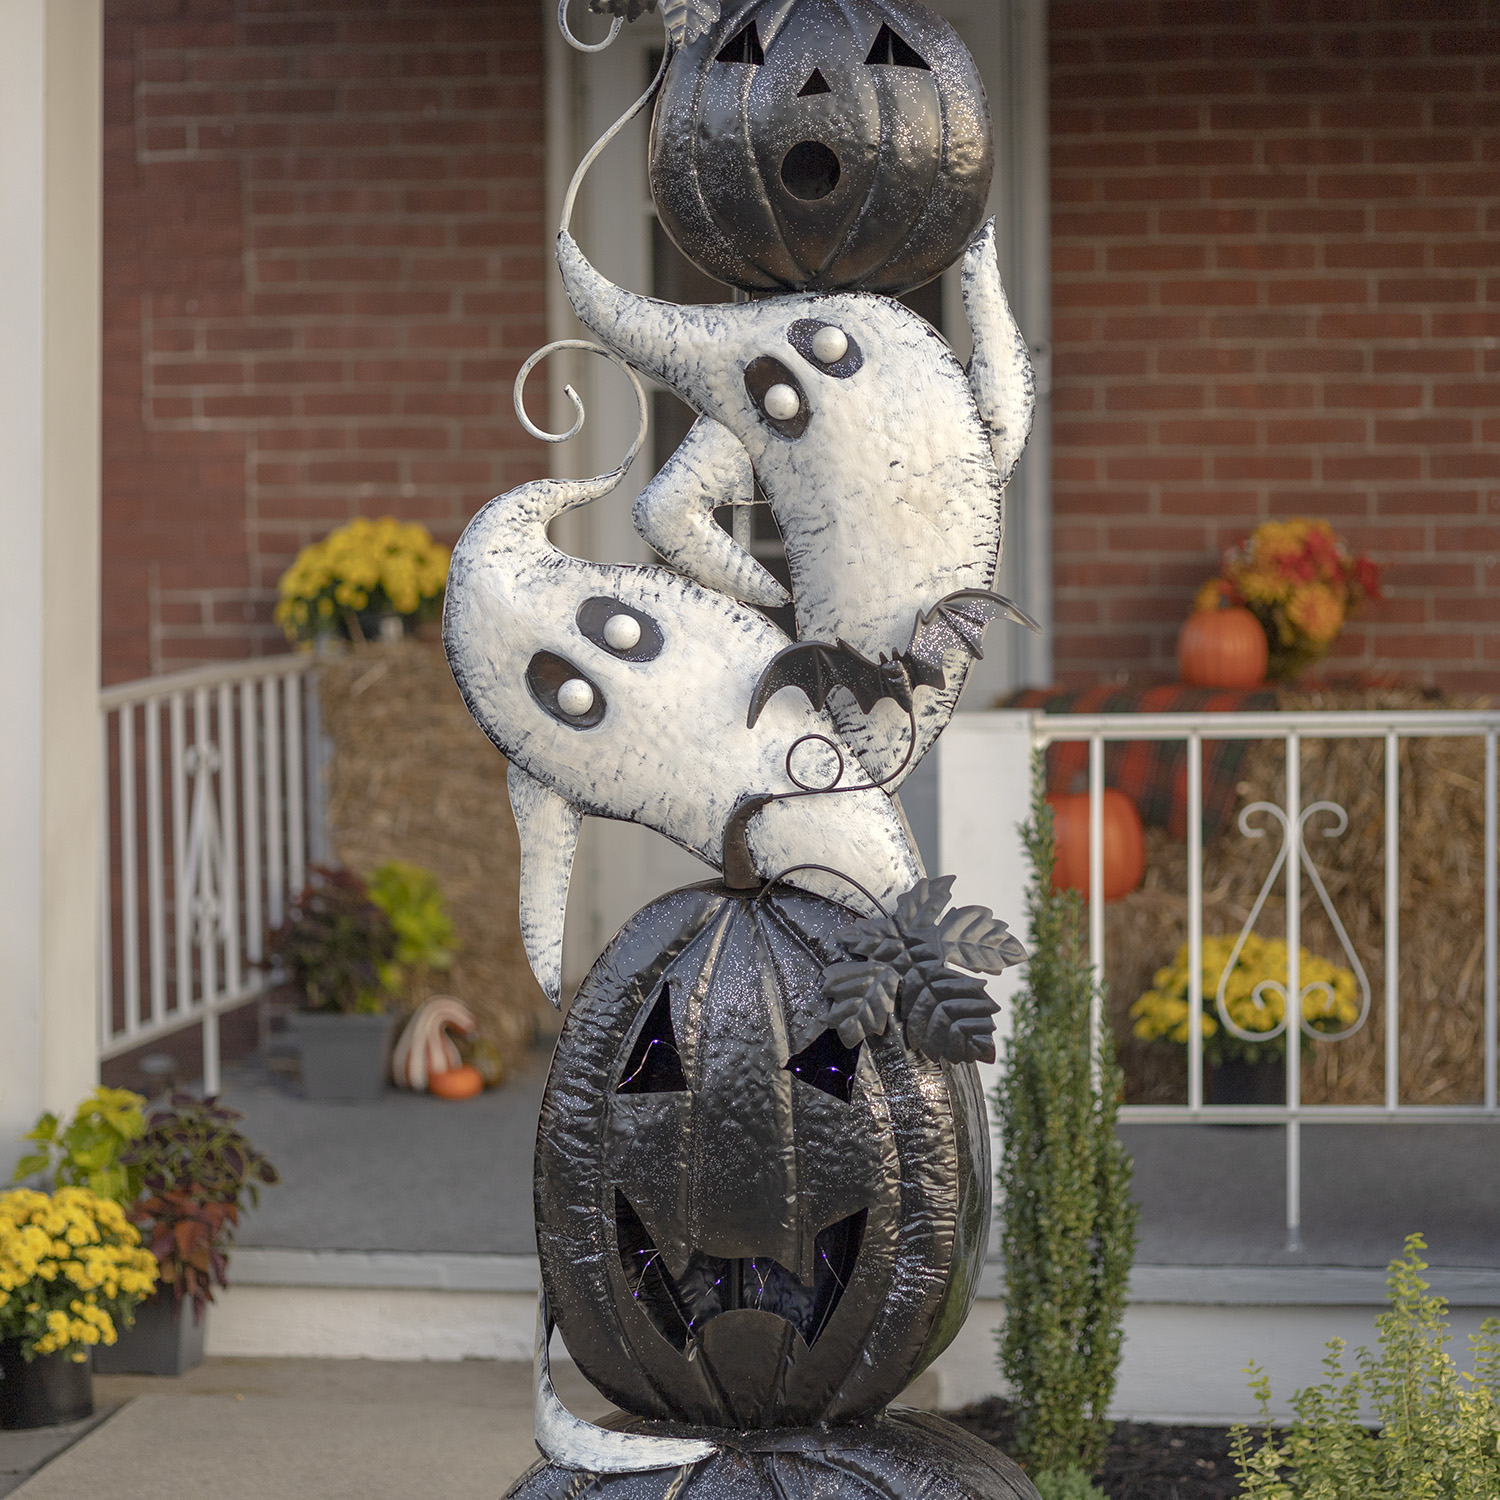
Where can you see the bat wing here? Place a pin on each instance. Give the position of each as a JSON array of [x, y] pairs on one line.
[[817, 668], [956, 621]]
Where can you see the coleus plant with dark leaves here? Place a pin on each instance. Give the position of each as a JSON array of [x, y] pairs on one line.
[[909, 964]]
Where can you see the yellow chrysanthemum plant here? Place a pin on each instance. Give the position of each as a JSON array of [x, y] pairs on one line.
[[366, 568], [1254, 996], [72, 1271], [1300, 581]]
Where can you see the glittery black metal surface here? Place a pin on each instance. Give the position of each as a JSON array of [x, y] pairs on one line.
[[900, 1456], [856, 154], [803, 1244]]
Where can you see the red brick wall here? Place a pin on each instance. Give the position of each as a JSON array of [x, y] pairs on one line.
[[323, 264], [1276, 258]]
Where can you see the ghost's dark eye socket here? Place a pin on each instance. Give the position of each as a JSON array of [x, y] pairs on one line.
[[826, 1064], [778, 395], [743, 47], [828, 347], [620, 629], [564, 691], [891, 50]]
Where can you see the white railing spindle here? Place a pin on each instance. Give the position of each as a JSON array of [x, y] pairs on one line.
[[1491, 917], [130, 913], [293, 756], [156, 898], [1096, 899], [1195, 918], [1392, 919], [271, 739], [250, 819]]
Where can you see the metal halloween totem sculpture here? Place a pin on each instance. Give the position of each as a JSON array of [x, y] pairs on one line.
[[762, 1175]]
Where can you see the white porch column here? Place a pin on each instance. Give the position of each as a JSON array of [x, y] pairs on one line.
[[50, 820]]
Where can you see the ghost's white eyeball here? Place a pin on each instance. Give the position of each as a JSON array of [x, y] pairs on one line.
[[575, 697], [782, 403], [830, 345], [622, 631]]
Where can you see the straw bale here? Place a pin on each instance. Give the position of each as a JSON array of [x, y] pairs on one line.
[[1441, 904], [412, 777]]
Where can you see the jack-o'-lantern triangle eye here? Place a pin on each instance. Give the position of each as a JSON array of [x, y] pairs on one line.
[[655, 1065], [827, 1065], [894, 51], [744, 47]]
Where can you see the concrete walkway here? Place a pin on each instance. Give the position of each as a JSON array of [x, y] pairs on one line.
[[250, 1429]]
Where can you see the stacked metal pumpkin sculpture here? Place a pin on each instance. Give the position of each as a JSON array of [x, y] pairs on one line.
[[762, 1175]]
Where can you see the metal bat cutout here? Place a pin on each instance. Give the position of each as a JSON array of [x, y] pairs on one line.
[[952, 624], [882, 458]]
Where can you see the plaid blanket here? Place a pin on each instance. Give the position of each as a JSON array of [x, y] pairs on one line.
[[1152, 773]]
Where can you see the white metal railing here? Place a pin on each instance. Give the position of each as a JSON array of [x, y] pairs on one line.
[[213, 811], [1291, 864]]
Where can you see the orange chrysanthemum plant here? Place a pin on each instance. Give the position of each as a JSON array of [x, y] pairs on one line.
[[1301, 582]]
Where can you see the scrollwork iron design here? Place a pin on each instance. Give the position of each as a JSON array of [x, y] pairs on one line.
[[1274, 986]]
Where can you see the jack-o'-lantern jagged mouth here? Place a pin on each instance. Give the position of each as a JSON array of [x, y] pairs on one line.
[[679, 1306]]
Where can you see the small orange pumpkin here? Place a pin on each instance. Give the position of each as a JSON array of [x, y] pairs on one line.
[[1124, 843], [1222, 648], [456, 1083]]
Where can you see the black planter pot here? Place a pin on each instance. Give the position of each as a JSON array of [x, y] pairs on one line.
[[1241, 1082], [344, 1058], [165, 1340], [46, 1392]]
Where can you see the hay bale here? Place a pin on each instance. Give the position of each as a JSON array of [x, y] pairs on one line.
[[413, 777], [1441, 898]]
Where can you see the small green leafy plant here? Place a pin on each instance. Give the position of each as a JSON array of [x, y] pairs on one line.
[[1069, 1224], [90, 1151], [334, 943], [413, 901], [1437, 1431]]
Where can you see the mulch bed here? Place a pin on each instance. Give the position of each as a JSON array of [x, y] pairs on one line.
[[1144, 1460]]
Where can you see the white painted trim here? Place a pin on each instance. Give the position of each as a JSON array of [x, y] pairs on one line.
[[299, 1322], [50, 792], [255, 1266]]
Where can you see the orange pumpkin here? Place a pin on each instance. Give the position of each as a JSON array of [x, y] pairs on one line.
[[456, 1083], [1222, 648], [1124, 843]]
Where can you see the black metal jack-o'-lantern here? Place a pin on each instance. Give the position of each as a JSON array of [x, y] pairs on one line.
[[741, 1221], [823, 145]]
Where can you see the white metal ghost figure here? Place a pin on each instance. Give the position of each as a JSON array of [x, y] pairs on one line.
[[621, 691], [883, 460]]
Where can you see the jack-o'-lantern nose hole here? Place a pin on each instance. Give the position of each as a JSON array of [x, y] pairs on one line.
[[810, 171]]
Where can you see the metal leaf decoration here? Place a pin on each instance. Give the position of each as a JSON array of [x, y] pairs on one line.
[[948, 1015], [903, 963], [631, 10], [974, 938], [924, 902], [687, 20], [862, 999]]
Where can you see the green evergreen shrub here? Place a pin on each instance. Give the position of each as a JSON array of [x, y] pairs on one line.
[[1068, 1220], [1438, 1429], [1073, 1484]]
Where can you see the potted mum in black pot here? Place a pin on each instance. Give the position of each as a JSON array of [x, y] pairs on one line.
[[336, 947]]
